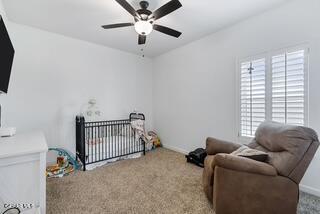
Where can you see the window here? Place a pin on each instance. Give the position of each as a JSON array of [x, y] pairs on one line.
[[273, 87], [288, 88], [252, 96]]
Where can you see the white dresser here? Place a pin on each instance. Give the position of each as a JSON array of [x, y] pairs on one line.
[[22, 171]]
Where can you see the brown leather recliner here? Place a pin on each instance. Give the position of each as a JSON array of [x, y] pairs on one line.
[[238, 185]]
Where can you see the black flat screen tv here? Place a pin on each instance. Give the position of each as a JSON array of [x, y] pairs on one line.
[[6, 57]]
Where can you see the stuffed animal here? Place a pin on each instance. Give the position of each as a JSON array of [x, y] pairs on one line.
[[155, 139]]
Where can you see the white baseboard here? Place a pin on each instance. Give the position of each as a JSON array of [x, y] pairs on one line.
[[303, 188], [310, 190], [176, 149]]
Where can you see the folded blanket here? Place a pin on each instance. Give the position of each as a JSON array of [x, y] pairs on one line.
[[139, 127], [245, 151]]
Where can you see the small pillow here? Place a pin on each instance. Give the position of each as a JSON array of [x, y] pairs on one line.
[[245, 151]]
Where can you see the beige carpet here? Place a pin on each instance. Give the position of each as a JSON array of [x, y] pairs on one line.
[[160, 182]]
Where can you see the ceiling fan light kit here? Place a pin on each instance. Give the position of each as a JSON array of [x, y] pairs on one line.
[[143, 27], [144, 19]]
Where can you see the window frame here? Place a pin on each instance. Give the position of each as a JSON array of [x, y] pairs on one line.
[[268, 84]]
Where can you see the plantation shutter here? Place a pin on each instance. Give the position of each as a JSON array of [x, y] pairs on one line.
[[253, 102], [288, 94]]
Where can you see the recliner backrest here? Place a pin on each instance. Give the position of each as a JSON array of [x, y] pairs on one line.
[[290, 148]]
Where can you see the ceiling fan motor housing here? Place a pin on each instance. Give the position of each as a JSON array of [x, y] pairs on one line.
[[144, 12], [144, 4]]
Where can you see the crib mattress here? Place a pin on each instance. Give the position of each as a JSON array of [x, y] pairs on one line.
[[108, 147]]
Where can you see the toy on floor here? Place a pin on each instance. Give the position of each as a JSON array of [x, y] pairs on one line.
[[59, 170], [66, 164], [154, 139]]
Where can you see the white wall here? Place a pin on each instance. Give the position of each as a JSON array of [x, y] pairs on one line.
[[2, 12], [195, 86], [194, 93], [54, 76]]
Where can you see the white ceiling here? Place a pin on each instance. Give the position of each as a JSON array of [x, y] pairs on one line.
[[82, 19]]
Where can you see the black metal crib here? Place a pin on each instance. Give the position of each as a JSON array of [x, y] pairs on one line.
[[104, 140]]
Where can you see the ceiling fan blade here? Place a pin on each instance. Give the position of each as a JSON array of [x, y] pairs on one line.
[[128, 7], [166, 9], [142, 39], [117, 25], [167, 30]]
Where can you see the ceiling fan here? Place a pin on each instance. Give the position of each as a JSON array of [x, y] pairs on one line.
[[144, 19]]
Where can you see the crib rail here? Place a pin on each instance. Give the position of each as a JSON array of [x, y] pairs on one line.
[[104, 140]]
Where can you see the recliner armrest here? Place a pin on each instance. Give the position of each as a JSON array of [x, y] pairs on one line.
[[244, 164], [215, 146]]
